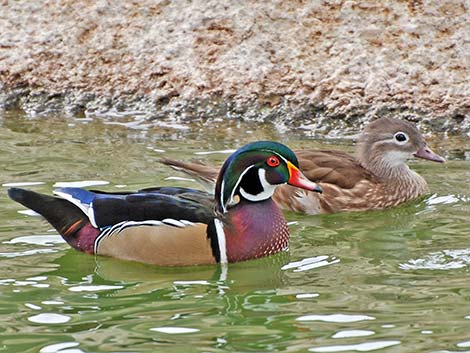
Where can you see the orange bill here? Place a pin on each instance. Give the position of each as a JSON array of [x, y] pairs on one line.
[[296, 178]]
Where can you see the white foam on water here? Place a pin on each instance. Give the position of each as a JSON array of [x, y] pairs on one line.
[[23, 183], [353, 333], [307, 295], [343, 318], [311, 263], [205, 153], [43, 240], [49, 318], [79, 184], [440, 260], [186, 283], [52, 302], [96, 288], [443, 200], [174, 330], [179, 178], [26, 253], [361, 347], [32, 306], [58, 347], [37, 278], [41, 285]]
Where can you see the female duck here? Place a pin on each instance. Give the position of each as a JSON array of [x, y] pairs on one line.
[[179, 226], [376, 179]]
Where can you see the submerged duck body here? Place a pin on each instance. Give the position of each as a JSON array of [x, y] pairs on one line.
[[173, 226], [376, 178]]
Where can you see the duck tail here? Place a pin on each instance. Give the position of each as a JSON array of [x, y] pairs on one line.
[[71, 223]]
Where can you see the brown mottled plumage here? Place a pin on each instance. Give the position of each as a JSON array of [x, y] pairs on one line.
[[377, 178]]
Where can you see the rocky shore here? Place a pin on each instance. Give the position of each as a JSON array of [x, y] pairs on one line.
[[324, 61]]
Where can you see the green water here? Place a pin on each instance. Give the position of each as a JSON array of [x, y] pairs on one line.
[[385, 281]]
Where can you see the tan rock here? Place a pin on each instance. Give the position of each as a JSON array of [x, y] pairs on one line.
[[343, 58]]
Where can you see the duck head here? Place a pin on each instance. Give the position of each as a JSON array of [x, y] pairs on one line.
[[253, 172], [386, 144]]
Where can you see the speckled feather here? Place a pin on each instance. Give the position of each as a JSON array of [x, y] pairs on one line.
[[369, 181], [247, 237], [179, 226]]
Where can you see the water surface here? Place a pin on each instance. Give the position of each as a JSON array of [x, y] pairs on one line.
[[386, 281]]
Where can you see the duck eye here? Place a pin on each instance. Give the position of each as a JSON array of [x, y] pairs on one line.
[[401, 137], [273, 161]]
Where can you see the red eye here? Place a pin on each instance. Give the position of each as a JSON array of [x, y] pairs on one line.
[[273, 161]]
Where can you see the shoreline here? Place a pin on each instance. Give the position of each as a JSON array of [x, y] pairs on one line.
[[322, 60]]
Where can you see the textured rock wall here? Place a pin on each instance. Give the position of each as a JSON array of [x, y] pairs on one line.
[[265, 59]]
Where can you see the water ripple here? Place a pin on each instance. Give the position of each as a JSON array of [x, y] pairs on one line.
[[361, 347], [307, 295], [79, 184], [95, 288], [26, 253], [58, 347], [445, 200], [23, 183], [49, 318], [440, 260], [352, 333], [174, 330], [43, 240], [343, 318], [310, 263], [205, 153]]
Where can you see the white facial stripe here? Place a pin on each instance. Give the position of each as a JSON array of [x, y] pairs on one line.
[[230, 200], [87, 209], [268, 189], [266, 185]]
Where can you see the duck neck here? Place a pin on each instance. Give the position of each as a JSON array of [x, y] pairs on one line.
[[254, 229], [398, 177]]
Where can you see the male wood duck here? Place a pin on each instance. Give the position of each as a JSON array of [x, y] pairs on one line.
[[174, 226], [377, 178]]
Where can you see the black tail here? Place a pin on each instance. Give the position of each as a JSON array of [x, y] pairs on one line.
[[64, 216]]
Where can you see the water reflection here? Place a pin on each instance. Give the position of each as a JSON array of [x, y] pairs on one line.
[[360, 347], [442, 260], [350, 282]]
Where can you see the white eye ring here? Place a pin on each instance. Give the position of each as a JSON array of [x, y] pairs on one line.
[[401, 138]]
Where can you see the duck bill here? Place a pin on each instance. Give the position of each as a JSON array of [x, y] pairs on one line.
[[296, 178], [426, 153]]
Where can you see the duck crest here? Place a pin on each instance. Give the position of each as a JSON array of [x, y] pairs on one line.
[[243, 165], [254, 229]]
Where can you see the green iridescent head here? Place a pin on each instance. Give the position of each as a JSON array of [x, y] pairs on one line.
[[253, 172]]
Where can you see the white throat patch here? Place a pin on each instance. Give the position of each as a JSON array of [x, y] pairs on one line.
[[396, 158], [268, 189]]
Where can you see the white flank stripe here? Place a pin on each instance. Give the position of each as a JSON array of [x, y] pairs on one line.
[[219, 228], [174, 222], [119, 227], [186, 223]]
